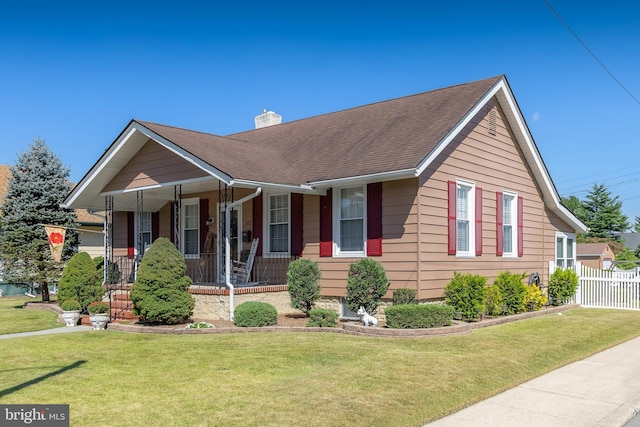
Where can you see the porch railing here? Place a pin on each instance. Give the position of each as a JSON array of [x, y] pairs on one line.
[[208, 269]]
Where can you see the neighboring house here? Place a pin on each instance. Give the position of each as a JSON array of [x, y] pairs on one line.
[[429, 184], [596, 255]]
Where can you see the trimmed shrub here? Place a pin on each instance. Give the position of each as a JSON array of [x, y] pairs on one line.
[[366, 285], [414, 316], [492, 300], [323, 318], [79, 281], [403, 296], [70, 305], [255, 313], [98, 307], [534, 299], [160, 293], [465, 293], [512, 290], [303, 276], [563, 284]]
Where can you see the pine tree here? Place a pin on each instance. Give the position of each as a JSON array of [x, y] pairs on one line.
[[37, 187], [636, 225], [604, 215]]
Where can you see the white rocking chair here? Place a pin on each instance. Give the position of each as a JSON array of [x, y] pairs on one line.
[[241, 271]]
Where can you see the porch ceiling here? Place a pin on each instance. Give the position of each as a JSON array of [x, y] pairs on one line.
[[153, 199]]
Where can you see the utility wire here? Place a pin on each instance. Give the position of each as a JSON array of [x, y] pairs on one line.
[[590, 52]]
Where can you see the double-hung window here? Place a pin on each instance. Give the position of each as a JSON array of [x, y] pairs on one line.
[[565, 250], [278, 223], [190, 216], [349, 221], [465, 224], [509, 224], [145, 230]]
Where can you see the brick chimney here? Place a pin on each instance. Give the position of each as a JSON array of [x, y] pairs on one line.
[[267, 118]]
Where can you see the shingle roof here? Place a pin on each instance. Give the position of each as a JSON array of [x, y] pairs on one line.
[[387, 136], [382, 137], [591, 249], [238, 159]]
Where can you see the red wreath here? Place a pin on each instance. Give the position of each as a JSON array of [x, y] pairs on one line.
[[56, 238]]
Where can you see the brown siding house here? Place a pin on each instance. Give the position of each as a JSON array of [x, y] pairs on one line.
[[595, 255], [429, 184]]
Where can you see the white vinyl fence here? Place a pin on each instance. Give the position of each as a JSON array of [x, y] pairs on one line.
[[606, 288]]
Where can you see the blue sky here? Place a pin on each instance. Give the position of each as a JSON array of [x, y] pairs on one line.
[[74, 73]]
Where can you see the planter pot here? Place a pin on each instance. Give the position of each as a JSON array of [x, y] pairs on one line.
[[99, 321], [71, 317]]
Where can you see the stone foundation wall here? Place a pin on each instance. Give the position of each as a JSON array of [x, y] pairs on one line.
[[216, 307]]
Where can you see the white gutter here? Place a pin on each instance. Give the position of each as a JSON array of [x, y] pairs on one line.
[[227, 245]]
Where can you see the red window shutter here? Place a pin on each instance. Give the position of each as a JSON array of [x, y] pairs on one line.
[[204, 215], [296, 224], [257, 221], [374, 219], [452, 218], [131, 235], [155, 226], [326, 227], [520, 227], [478, 221], [499, 224]]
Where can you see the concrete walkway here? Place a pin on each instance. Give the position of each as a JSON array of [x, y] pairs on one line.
[[601, 390], [62, 330]]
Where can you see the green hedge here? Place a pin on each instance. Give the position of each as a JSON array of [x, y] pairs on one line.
[[404, 296], [255, 313], [513, 291], [562, 286], [414, 316], [465, 293], [323, 318]]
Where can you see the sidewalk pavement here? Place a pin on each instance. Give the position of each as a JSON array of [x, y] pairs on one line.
[[62, 330], [601, 390]]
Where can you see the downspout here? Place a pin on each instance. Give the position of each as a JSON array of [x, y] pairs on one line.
[[227, 245]]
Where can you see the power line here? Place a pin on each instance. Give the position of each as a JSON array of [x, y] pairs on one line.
[[590, 52]]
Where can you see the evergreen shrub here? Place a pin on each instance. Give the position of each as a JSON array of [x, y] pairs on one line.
[[160, 293], [512, 290], [98, 307], [303, 276], [70, 305], [79, 281], [255, 313], [414, 316], [403, 296], [366, 285], [563, 284], [465, 293], [534, 299], [323, 318], [492, 300], [113, 275]]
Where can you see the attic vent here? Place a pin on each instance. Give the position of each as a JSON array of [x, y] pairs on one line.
[[491, 118]]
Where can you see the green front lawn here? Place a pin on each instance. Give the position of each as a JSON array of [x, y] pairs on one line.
[[291, 379], [14, 319]]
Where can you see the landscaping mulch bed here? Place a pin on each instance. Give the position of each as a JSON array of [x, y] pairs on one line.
[[298, 323]]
